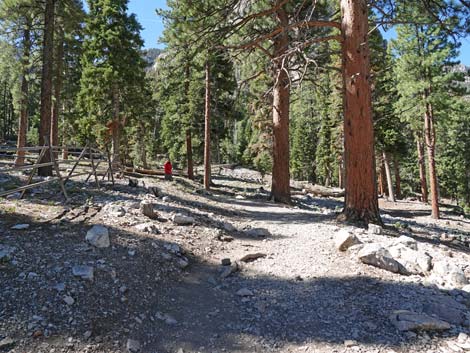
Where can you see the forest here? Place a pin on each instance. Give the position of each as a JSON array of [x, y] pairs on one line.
[[301, 90]]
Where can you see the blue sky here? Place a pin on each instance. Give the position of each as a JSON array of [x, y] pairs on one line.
[[153, 26]]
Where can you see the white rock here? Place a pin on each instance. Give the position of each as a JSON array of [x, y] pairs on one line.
[[114, 210], [98, 236], [466, 288], [182, 220], [85, 272], [20, 226], [415, 262], [374, 229], [374, 254], [449, 274], [406, 241], [165, 198], [405, 320], [133, 345], [345, 238], [245, 292]]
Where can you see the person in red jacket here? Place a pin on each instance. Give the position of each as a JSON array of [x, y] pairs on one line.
[[168, 170]]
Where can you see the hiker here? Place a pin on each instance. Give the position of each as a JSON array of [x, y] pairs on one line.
[[168, 170]]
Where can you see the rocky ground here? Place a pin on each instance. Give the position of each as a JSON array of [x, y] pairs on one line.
[[170, 268]]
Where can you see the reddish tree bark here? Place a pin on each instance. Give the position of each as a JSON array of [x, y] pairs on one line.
[[46, 83], [23, 122], [280, 190], [361, 204], [422, 170], [207, 131], [430, 137]]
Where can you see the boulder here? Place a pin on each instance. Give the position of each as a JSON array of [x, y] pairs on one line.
[[182, 220], [405, 320], [228, 227], [98, 236], [448, 274], [375, 255], [415, 262], [345, 238]]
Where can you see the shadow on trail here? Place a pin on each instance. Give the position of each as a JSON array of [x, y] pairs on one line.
[[209, 315]]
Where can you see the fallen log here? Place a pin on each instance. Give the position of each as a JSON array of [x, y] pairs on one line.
[[323, 191], [157, 172]]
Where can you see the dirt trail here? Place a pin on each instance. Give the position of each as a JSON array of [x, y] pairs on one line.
[[300, 295]]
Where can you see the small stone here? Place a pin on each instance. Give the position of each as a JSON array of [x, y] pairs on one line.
[[228, 227], [405, 320], [228, 270], [133, 345], [147, 228], [98, 236], [374, 229], [252, 257], [165, 198], [462, 338], [170, 320], [244, 292], [258, 233], [226, 262], [350, 343], [6, 342], [69, 300], [87, 335], [147, 209], [6, 253], [407, 241], [131, 252], [344, 239], [85, 272], [182, 220], [182, 263], [60, 287], [20, 227]]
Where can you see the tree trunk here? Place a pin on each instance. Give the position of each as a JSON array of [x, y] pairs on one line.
[[189, 154], [396, 165], [207, 131], [46, 83], [115, 131], [382, 181], [388, 173], [23, 122], [430, 137], [422, 170], [57, 90], [280, 190], [361, 202]]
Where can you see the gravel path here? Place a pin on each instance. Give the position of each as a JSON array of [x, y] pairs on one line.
[[299, 295]]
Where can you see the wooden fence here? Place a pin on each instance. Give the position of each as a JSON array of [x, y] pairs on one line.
[[81, 161]]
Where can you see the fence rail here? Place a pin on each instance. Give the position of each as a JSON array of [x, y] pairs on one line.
[[84, 161]]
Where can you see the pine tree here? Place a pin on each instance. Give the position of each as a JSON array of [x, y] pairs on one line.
[[112, 69]]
